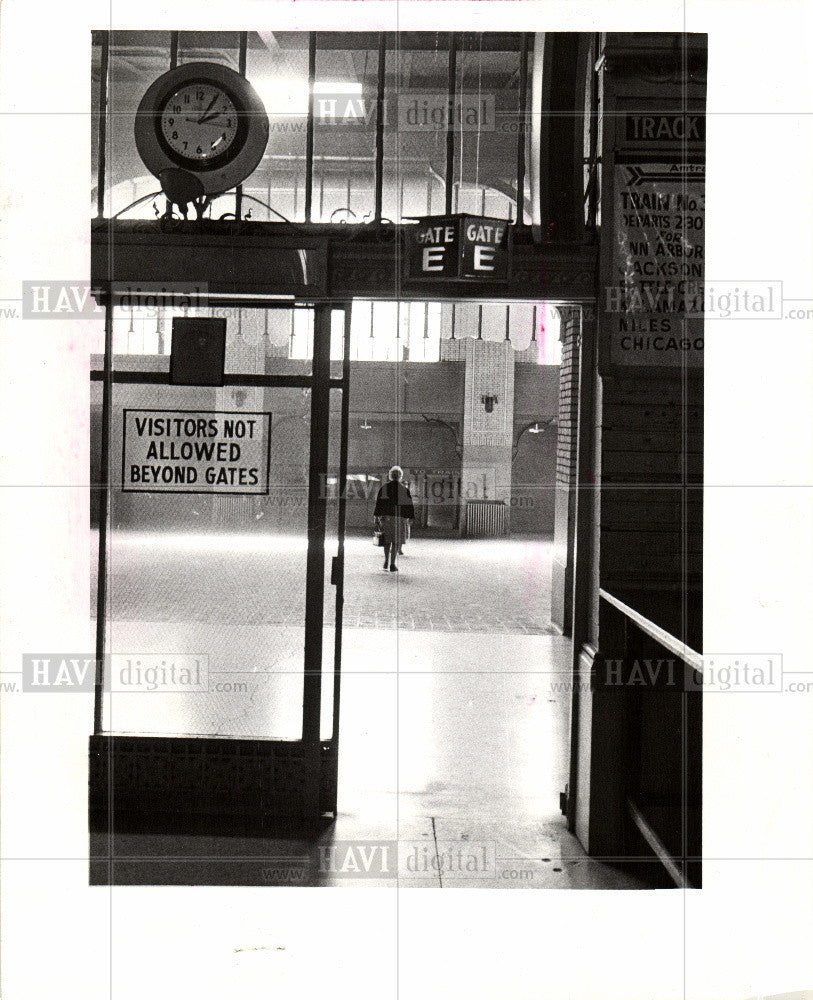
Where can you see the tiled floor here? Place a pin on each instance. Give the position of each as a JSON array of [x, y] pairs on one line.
[[469, 585], [426, 853], [453, 737]]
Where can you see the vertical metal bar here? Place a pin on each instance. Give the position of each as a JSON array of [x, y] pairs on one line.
[[508, 323], [479, 322], [159, 329], [104, 70], [632, 706], [379, 125], [584, 544], [309, 132], [450, 122], [343, 439], [592, 209], [241, 65], [523, 112], [104, 508], [173, 49], [317, 519], [242, 54]]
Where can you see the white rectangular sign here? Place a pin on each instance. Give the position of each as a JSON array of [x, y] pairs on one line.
[[195, 451]]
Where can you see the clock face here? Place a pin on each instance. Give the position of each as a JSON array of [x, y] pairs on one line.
[[206, 119], [200, 125]]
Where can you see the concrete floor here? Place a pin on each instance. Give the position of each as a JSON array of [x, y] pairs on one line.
[[454, 738]]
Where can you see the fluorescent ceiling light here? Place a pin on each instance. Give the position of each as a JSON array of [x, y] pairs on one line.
[[287, 96], [337, 88]]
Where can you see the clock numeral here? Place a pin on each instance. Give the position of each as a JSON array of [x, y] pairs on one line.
[[174, 135], [171, 121], [228, 123], [200, 149], [185, 145], [186, 100], [199, 94]]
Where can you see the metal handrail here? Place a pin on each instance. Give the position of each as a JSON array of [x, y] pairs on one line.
[[657, 846], [661, 636]]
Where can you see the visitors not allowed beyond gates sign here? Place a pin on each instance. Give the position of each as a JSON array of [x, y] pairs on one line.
[[654, 306], [195, 451], [458, 248]]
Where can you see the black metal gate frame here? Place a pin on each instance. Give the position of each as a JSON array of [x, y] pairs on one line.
[[312, 763]]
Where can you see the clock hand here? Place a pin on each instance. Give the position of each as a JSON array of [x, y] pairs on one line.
[[206, 112], [206, 119]]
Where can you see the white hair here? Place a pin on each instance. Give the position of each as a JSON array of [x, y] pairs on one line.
[[396, 472]]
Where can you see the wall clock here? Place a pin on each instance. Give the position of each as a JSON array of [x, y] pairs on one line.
[[205, 119]]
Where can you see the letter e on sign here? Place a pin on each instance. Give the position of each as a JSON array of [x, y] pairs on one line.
[[483, 257], [432, 259]]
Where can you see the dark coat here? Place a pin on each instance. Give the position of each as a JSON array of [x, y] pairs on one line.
[[394, 500]]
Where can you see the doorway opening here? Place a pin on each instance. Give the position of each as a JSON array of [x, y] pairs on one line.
[[460, 654]]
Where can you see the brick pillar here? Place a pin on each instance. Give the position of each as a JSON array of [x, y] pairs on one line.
[[487, 437], [565, 508]]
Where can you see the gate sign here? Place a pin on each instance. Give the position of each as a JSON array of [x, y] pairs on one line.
[[195, 451], [459, 248]]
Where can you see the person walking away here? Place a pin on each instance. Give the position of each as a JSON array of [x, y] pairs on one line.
[[393, 510]]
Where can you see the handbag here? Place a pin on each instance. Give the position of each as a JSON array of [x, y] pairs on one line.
[[378, 537]]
